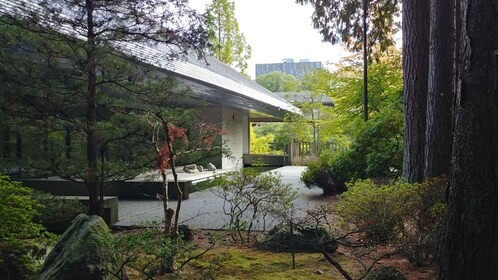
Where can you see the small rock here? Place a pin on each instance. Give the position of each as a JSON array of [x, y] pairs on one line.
[[319, 272], [186, 232], [190, 168], [200, 168], [211, 167]]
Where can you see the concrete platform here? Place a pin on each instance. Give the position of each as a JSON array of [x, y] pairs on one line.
[[144, 186]]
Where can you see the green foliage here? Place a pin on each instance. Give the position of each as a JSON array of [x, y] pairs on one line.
[[376, 209], [376, 150], [409, 215], [148, 252], [228, 44], [22, 240], [57, 213], [281, 133], [250, 197], [303, 238], [81, 84], [261, 145], [320, 174], [279, 82], [385, 87]]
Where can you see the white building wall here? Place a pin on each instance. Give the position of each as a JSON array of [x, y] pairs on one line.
[[246, 145], [235, 123], [236, 130]]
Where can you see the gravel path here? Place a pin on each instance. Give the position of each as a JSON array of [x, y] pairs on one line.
[[205, 210]]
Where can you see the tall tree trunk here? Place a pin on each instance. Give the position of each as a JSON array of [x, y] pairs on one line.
[[440, 90], [365, 60], [91, 117], [469, 249], [415, 76]]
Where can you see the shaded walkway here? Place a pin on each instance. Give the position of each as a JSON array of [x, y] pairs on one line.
[[205, 210]]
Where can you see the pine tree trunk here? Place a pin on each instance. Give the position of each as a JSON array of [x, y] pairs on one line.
[[440, 93], [469, 249], [91, 117], [415, 76]]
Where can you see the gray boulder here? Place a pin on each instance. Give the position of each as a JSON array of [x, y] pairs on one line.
[[211, 167], [80, 252]]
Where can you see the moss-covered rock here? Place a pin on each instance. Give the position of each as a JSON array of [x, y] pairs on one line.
[[81, 252]]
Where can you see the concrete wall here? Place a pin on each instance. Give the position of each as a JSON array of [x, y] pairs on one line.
[[246, 145], [235, 125]]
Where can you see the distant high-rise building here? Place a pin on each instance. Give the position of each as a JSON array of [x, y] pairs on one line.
[[288, 66]]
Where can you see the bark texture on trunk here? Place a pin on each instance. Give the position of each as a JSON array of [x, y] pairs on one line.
[[95, 207], [415, 76], [440, 93], [469, 249]]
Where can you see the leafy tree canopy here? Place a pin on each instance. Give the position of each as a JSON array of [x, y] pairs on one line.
[[385, 88], [227, 43], [279, 82]]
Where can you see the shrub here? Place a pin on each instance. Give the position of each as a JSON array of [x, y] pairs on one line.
[[302, 238], [250, 197], [148, 252], [410, 215], [57, 213], [385, 273], [376, 152], [22, 240], [379, 210], [320, 174]]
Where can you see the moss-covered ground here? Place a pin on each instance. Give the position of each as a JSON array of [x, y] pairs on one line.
[[250, 263]]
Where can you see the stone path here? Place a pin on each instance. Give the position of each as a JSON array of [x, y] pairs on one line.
[[205, 210]]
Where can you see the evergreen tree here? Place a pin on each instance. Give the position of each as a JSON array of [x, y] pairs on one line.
[[341, 21], [469, 249], [415, 81], [441, 91], [86, 74]]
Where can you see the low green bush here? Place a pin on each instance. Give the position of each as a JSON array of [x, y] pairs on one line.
[[409, 215], [321, 174], [250, 198], [147, 252], [302, 238], [376, 152], [23, 241], [57, 213]]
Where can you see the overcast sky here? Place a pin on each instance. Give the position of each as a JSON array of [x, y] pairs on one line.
[[278, 29]]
